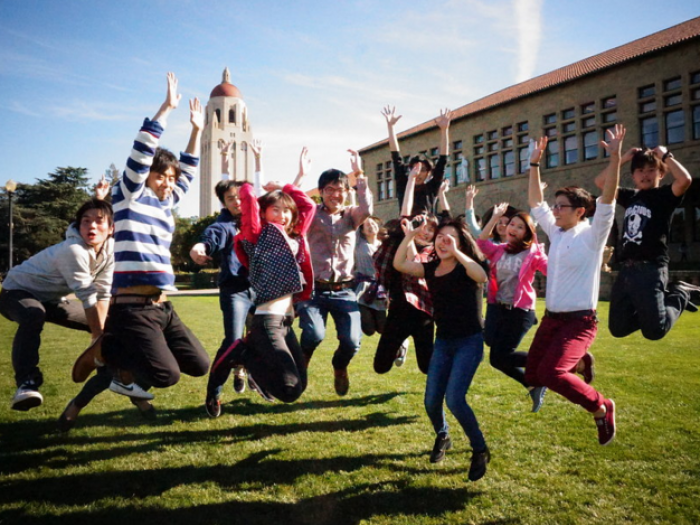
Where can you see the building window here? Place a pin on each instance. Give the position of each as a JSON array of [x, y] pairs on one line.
[[507, 131], [568, 114], [390, 189], [232, 116], [462, 170], [650, 132], [218, 115], [588, 122], [480, 168], [434, 152], [523, 139], [478, 139], [523, 126], [696, 122], [695, 78], [647, 91], [609, 117], [695, 94], [509, 163], [673, 100], [675, 122], [457, 144], [479, 150], [494, 167], [507, 143], [552, 154], [673, 83], [568, 127], [380, 191], [550, 132], [570, 149], [646, 107], [590, 145], [387, 165], [493, 146], [550, 119], [587, 108], [609, 102], [524, 158], [492, 135]]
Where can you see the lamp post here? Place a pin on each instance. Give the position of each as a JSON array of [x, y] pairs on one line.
[[10, 187]]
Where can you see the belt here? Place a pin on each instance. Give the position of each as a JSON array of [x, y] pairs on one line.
[[138, 299], [507, 306], [635, 262], [326, 286], [563, 316]]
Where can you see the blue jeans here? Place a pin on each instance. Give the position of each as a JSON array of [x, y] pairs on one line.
[[344, 310], [503, 331], [235, 307], [452, 368]]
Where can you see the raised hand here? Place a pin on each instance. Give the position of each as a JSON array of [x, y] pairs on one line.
[[196, 114], [659, 151], [256, 147], [627, 156], [615, 137], [355, 162], [444, 187], [500, 209], [172, 98], [102, 188], [415, 170], [471, 192], [389, 113], [443, 121], [537, 149]]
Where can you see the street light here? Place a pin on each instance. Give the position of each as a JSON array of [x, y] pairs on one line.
[[10, 187]]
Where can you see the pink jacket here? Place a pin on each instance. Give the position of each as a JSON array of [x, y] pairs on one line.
[[525, 294]]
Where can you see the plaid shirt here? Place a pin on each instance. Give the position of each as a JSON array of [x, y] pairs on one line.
[[415, 289]]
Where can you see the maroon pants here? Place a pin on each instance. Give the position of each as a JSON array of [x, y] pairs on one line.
[[558, 346]]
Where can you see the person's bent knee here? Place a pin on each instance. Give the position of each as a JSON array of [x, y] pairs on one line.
[[654, 333], [165, 379], [290, 393]]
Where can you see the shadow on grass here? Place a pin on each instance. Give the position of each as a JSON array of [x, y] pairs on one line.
[[345, 507], [32, 450]]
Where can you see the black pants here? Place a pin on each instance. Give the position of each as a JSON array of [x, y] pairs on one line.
[[31, 314], [405, 320], [640, 299], [274, 357], [503, 331], [153, 343]]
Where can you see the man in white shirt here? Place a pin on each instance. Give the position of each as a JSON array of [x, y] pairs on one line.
[[576, 248]]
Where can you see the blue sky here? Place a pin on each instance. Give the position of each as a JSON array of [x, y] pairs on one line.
[[77, 77]]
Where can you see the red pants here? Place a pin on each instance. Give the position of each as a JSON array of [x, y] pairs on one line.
[[558, 346]]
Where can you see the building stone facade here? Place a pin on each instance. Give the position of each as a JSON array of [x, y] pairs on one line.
[[651, 85], [225, 138]]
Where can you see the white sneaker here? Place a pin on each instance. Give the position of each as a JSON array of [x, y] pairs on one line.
[[401, 356], [26, 397], [131, 390]]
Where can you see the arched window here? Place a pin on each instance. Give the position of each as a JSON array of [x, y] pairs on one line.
[[232, 116], [218, 115]]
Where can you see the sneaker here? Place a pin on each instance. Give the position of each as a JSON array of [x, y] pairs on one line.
[[443, 443], [586, 367], [231, 356], [131, 390], [146, 409], [213, 406], [260, 391], [26, 397], [693, 293], [537, 395], [606, 424], [239, 380], [478, 466], [401, 355], [341, 381]]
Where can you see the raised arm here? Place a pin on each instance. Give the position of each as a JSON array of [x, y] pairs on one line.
[[407, 205], [389, 113], [474, 270], [102, 188], [443, 122], [402, 261], [442, 195], [172, 99], [600, 178], [197, 121], [535, 195], [498, 211], [613, 146], [681, 178], [304, 166], [365, 206], [469, 215], [257, 148]]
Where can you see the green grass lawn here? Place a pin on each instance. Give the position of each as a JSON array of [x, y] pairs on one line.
[[358, 459]]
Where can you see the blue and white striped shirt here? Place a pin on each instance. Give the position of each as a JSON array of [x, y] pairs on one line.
[[144, 225]]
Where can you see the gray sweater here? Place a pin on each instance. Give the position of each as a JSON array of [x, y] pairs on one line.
[[68, 267]]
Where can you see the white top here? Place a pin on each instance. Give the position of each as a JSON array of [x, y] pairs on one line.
[[575, 257]]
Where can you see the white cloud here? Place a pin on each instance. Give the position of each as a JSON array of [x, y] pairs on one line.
[[528, 14]]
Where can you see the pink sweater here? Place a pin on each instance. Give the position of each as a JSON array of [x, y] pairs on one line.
[[536, 259]]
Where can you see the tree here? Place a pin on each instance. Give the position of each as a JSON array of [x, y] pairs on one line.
[[187, 234]]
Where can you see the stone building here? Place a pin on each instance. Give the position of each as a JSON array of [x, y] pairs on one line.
[[651, 85], [225, 138]]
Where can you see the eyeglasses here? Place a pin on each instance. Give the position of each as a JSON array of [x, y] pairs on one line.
[[328, 190], [560, 206]]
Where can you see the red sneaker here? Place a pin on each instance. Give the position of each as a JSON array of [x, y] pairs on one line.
[[606, 424]]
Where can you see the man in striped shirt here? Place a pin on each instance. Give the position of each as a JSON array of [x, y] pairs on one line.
[[143, 334]]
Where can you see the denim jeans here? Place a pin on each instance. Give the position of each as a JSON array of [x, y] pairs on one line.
[[235, 308], [31, 314], [344, 310], [503, 331], [640, 300], [450, 374]]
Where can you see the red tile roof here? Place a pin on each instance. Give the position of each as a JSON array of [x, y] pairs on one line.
[[666, 38]]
